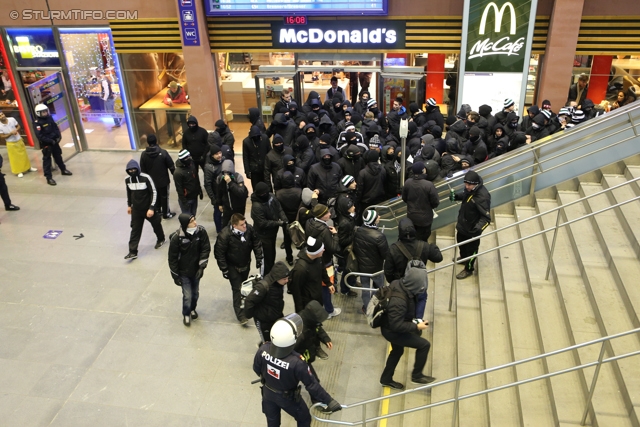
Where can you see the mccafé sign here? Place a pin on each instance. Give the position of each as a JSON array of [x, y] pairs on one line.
[[370, 34], [497, 35]]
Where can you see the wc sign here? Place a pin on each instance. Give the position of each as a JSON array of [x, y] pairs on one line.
[[497, 35]]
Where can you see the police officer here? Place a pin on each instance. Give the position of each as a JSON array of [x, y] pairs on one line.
[[281, 370], [49, 135], [473, 218]]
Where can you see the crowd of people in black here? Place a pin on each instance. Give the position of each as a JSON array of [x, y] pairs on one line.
[[321, 168]]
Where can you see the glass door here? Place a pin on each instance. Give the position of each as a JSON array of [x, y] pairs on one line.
[[47, 87], [399, 85], [269, 88]]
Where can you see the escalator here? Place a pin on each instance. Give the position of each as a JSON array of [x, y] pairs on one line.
[[548, 162]]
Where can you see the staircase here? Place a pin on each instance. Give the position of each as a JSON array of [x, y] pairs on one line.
[[508, 311]]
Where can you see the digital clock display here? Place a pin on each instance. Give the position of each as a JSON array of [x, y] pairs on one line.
[[295, 20]]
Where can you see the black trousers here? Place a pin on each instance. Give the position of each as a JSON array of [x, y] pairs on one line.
[[256, 177], [423, 233], [468, 249], [163, 200], [4, 191], [236, 278], [273, 403], [264, 329], [398, 343], [269, 252], [137, 221], [287, 243], [56, 152]]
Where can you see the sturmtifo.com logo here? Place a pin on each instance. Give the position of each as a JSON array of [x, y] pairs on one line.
[[504, 45]]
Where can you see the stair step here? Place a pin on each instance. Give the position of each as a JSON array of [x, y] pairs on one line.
[[627, 214], [504, 407], [568, 389], [534, 397], [631, 173], [609, 407], [472, 411], [443, 344]]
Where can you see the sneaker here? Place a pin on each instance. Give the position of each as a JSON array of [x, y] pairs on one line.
[[321, 353], [392, 384], [349, 294], [66, 172], [194, 314], [186, 320], [336, 311], [170, 215], [20, 175], [50, 181], [159, 244], [290, 262], [464, 274], [131, 255], [11, 208], [33, 170], [243, 321], [422, 379]]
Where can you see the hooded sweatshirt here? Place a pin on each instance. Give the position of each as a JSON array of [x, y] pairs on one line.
[[194, 139], [254, 118], [141, 190], [289, 196], [304, 156], [266, 302], [300, 178], [157, 162], [254, 151], [187, 181], [232, 196], [370, 181]]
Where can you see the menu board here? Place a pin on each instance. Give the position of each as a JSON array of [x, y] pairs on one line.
[[302, 7]]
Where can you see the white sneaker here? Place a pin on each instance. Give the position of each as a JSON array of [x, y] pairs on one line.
[[20, 175], [33, 170], [336, 311]]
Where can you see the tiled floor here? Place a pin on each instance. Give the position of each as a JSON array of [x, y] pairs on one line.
[[88, 339]]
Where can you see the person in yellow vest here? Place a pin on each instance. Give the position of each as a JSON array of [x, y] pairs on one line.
[[18, 158]]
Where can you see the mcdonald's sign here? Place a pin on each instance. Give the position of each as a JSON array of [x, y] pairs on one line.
[[497, 35]]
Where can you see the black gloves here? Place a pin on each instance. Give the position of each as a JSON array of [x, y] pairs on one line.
[[280, 222], [201, 196], [258, 263], [177, 281], [225, 274], [199, 273], [249, 175], [333, 406]]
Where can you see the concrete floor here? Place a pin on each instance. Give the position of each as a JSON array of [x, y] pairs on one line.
[[90, 339]]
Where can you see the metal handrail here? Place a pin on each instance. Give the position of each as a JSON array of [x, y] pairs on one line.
[[357, 273], [603, 341]]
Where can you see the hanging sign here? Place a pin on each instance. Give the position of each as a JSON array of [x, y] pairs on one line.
[[189, 22]]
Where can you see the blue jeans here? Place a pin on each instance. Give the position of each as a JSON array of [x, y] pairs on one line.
[[190, 294], [188, 207], [110, 107], [378, 282], [342, 266], [326, 299], [421, 304]]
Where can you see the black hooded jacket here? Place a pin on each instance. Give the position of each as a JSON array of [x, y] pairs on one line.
[[232, 196], [421, 198], [325, 178], [392, 172], [255, 119], [155, 162], [299, 177], [289, 196], [395, 263], [266, 302], [273, 161], [476, 150], [306, 279], [141, 190], [351, 164], [401, 310], [319, 230], [225, 135], [475, 211], [312, 331], [370, 248], [433, 113], [284, 127], [492, 141], [216, 139], [346, 222], [188, 252], [195, 140], [265, 215], [212, 170], [254, 154], [304, 154], [187, 181], [370, 181], [233, 250]]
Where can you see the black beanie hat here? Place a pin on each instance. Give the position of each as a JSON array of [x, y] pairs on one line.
[[152, 140], [326, 138], [214, 149], [485, 110], [472, 177], [261, 188], [221, 124], [474, 131], [184, 220], [417, 168]]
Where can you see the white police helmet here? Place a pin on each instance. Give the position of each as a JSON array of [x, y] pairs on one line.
[[40, 108], [284, 334]]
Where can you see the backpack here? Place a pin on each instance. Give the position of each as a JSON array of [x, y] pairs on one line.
[[298, 236], [414, 260], [248, 286], [378, 305]]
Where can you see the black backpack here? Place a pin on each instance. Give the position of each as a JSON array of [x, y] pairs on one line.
[[379, 303]]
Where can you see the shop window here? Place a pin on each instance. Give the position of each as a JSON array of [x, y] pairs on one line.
[[159, 91], [9, 98]]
